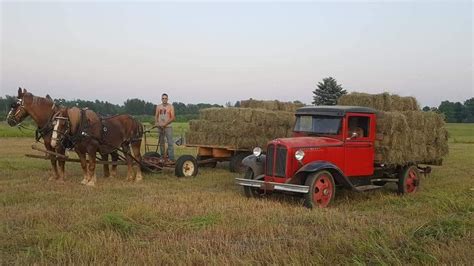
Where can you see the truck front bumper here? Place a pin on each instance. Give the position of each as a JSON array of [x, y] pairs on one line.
[[271, 185]]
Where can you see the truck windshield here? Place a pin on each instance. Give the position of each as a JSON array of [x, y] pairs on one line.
[[325, 125]]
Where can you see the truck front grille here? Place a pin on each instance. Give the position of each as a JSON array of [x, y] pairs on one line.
[[276, 161], [280, 165], [269, 163]]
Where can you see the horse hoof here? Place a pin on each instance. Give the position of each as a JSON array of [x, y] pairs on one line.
[[91, 184], [139, 179], [84, 181]]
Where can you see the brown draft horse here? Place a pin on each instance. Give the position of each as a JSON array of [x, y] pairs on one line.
[[90, 133], [41, 110]]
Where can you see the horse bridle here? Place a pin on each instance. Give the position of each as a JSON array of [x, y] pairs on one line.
[[19, 107], [55, 122]]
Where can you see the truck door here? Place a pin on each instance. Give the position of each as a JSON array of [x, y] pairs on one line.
[[359, 144]]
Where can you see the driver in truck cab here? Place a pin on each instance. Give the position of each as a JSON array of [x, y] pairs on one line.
[[354, 128]]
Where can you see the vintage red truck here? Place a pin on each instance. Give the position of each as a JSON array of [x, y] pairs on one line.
[[332, 147]]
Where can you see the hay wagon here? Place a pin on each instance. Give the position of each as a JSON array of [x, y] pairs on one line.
[[207, 155]]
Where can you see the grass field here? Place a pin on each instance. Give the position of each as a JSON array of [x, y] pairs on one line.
[[207, 220]]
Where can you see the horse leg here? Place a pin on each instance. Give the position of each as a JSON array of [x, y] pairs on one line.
[[105, 158], [126, 151], [54, 171], [61, 164], [136, 152], [115, 158], [91, 167], [82, 156]]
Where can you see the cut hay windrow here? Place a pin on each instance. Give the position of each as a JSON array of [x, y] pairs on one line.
[[242, 128]]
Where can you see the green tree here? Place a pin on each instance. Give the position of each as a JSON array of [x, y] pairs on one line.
[[469, 111], [328, 92]]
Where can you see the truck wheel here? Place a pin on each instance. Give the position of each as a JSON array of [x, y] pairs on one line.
[[409, 180], [186, 165], [211, 164], [251, 192], [235, 164], [321, 190]]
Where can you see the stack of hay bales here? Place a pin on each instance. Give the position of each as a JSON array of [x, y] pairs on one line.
[[270, 105], [381, 102], [405, 134], [241, 128]]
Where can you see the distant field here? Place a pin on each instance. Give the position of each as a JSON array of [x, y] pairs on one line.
[[207, 220], [461, 133]]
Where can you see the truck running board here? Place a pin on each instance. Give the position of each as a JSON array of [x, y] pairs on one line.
[[367, 187]]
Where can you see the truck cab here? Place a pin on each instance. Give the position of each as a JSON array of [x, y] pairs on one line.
[[331, 145]]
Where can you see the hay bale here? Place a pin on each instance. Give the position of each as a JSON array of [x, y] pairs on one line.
[[382, 102], [270, 105], [410, 137], [239, 127]]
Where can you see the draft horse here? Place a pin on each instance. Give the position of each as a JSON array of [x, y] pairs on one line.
[[89, 133], [41, 110]]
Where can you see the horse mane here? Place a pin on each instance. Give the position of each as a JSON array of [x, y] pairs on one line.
[[41, 100]]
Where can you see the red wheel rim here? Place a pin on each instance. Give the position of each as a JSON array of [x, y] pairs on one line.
[[323, 191], [411, 181]]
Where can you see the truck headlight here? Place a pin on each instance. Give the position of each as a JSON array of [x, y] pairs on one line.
[[257, 151], [299, 155]]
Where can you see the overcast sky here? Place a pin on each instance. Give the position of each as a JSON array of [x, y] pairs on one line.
[[219, 52]]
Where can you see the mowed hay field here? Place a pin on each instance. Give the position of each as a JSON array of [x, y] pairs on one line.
[[207, 220]]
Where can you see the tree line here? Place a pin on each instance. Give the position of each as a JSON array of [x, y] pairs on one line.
[[136, 107], [327, 93]]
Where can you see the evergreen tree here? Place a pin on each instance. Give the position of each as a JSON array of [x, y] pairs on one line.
[[328, 92]]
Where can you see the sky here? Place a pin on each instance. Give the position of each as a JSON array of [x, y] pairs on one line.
[[217, 52]]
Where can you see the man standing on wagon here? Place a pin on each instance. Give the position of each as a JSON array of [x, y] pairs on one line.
[[164, 116]]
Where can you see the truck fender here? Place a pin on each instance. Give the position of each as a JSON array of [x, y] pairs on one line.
[[316, 166], [257, 164]]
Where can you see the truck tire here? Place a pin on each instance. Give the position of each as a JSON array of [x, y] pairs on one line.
[[322, 190], [211, 164], [186, 165], [235, 164], [409, 180], [251, 192]]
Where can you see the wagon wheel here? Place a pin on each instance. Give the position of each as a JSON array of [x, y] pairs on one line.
[[409, 180], [322, 190], [146, 167], [251, 191], [186, 165], [235, 164]]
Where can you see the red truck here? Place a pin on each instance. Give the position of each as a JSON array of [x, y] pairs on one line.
[[332, 146]]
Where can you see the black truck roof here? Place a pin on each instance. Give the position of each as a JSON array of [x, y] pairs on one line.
[[333, 110]]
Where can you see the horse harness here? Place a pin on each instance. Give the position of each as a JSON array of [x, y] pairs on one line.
[[84, 125]]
